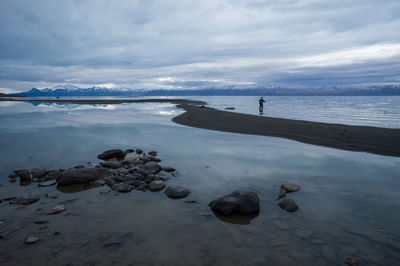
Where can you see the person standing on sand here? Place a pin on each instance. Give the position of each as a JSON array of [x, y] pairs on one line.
[[261, 102]]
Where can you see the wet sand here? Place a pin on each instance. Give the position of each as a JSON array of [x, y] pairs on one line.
[[383, 141]]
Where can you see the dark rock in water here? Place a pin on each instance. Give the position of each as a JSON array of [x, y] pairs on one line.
[[29, 174], [176, 192], [47, 183], [135, 182], [237, 202], [288, 205], [168, 169], [230, 108], [236, 218], [133, 160], [31, 240], [12, 175], [79, 166], [190, 201], [152, 153], [110, 154], [290, 187], [42, 222], [156, 186], [79, 176], [119, 179], [57, 209], [142, 187], [110, 181], [150, 168], [155, 159], [25, 200], [282, 194], [52, 195], [139, 151], [111, 164], [351, 261], [51, 175], [12, 180], [129, 151], [149, 178], [122, 187]]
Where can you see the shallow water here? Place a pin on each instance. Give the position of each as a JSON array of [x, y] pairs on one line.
[[349, 201]]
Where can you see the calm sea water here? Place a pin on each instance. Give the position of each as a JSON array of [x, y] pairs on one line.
[[349, 201]]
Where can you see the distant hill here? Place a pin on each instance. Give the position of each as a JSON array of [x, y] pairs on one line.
[[73, 91], [10, 95]]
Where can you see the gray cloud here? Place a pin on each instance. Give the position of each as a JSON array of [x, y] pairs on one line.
[[188, 44]]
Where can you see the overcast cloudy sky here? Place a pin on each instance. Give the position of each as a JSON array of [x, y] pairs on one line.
[[194, 44]]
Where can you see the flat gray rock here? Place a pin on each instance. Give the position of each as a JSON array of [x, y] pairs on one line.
[[85, 175], [111, 164], [237, 202], [150, 167], [156, 186], [110, 154], [29, 174], [176, 192], [47, 183], [290, 187], [25, 200], [57, 209], [31, 240], [288, 205]]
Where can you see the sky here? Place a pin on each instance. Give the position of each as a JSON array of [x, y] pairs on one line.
[[198, 44]]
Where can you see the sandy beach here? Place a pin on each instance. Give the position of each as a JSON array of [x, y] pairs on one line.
[[383, 141]]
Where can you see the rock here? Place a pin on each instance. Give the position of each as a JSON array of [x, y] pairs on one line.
[[288, 205], [290, 187], [105, 190], [57, 209], [154, 159], [110, 154], [111, 164], [129, 151], [31, 240], [237, 202], [12, 175], [52, 195], [51, 175], [139, 151], [282, 193], [150, 168], [142, 187], [351, 261], [47, 183], [29, 174], [122, 187], [119, 179], [135, 182], [42, 222], [190, 201], [133, 160], [79, 166], [230, 108], [25, 200], [156, 186], [85, 175], [176, 192], [168, 169], [152, 153]]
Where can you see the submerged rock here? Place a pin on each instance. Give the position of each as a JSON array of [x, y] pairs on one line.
[[29, 174], [52, 195], [289, 188], [168, 169], [47, 183], [230, 108], [156, 186], [79, 176], [111, 154], [122, 187], [288, 205], [139, 151], [25, 200], [111, 164], [152, 153], [31, 240], [129, 151], [351, 261], [176, 192], [237, 202], [57, 209], [282, 193]]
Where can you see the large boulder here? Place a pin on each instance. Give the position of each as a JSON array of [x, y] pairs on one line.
[[237, 202], [25, 200], [176, 192], [84, 175], [111, 154], [29, 174]]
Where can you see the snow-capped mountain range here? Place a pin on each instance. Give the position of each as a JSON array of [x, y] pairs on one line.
[[74, 91]]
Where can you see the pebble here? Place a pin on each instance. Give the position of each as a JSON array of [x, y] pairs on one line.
[[57, 209], [31, 240]]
